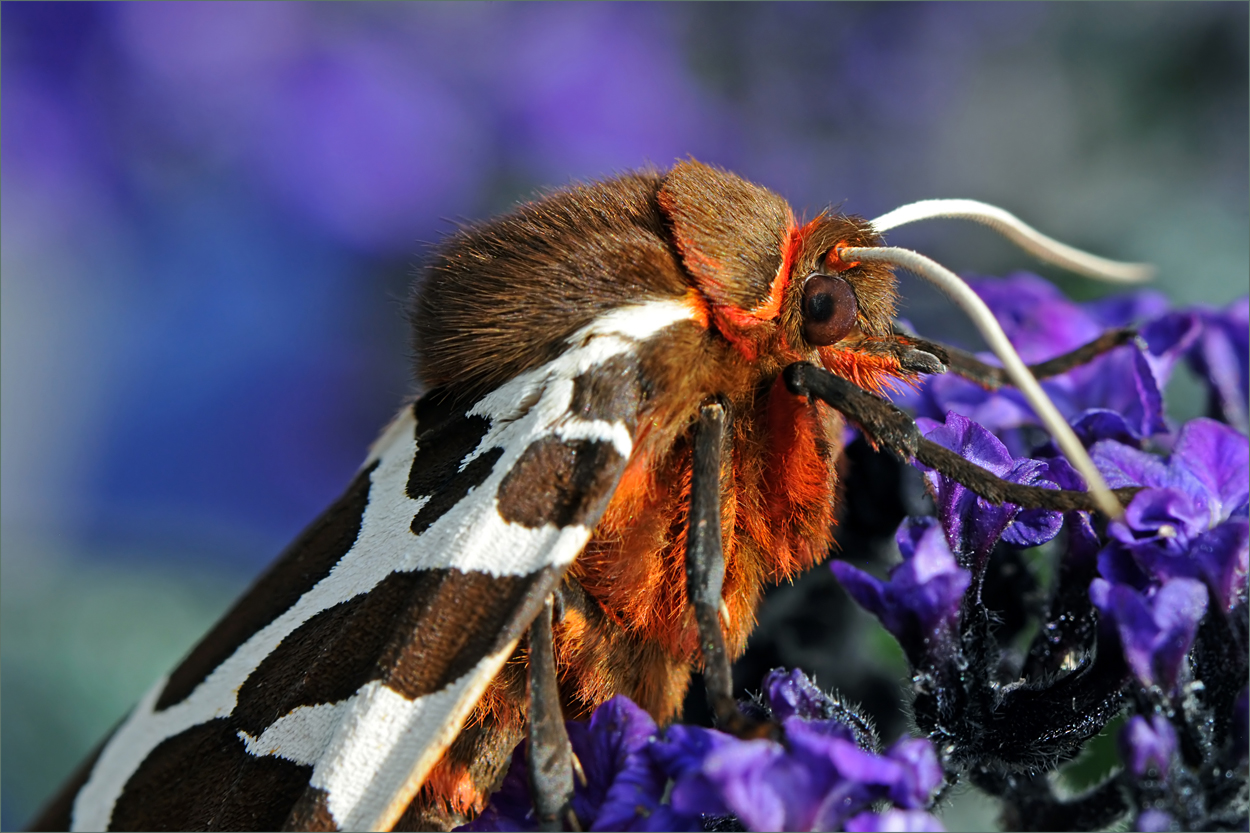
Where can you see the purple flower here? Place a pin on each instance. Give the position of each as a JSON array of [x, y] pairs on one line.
[[510, 806], [1154, 821], [1163, 518], [1191, 522], [1042, 324], [894, 821], [623, 787], [794, 695], [1220, 357], [818, 780], [767, 788], [973, 525], [919, 604], [1156, 631], [1148, 745], [1097, 424], [680, 754], [921, 774], [1219, 458], [619, 777]]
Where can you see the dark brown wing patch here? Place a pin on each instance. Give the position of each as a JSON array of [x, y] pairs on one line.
[[417, 632], [328, 657], [455, 621], [560, 482], [306, 562], [203, 779], [370, 621], [445, 437], [455, 489], [610, 391], [311, 812]]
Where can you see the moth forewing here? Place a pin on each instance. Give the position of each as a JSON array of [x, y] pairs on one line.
[[358, 686]]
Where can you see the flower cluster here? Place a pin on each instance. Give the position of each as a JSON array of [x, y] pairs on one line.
[[1148, 612], [826, 774], [1118, 394]]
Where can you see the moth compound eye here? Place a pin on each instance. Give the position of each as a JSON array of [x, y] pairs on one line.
[[829, 310]]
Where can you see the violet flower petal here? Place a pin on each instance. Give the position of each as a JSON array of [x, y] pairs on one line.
[[1034, 527], [790, 694], [1154, 821], [844, 778], [1218, 558], [1096, 424], [919, 604], [1147, 745], [1040, 320], [621, 778], [760, 784], [1210, 462], [1124, 466], [1166, 518], [681, 754], [1042, 323], [1156, 632], [971, 441], [973, 525], [1169, 337], [1123, 309], [1219, 458], [921, 772], [1121, 380], [623, 787], [1220, 357], [1117, 565]]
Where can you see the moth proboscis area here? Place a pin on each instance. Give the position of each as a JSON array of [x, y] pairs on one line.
[[375, 676]]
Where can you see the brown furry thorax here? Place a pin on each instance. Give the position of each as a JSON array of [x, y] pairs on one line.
[[503, 296]]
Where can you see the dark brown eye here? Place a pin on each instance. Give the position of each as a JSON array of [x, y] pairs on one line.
[[829, 310]]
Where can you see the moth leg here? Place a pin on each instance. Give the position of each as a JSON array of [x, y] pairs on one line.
[[988, 376], [549, 756], [887, 426], [705, 573]]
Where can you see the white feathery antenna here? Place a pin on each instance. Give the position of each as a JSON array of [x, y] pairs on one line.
[[953, 286]]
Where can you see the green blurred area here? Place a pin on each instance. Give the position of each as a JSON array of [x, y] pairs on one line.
[[82, 640]]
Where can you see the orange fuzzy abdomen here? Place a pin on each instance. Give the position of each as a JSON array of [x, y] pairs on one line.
[[777, 520]]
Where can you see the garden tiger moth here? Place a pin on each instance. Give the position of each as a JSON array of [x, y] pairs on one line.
[[374, 677]]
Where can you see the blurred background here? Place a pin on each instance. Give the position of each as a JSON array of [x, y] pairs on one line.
[[212, 213]]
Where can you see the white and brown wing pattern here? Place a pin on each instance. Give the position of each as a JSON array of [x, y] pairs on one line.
[[327, 693]]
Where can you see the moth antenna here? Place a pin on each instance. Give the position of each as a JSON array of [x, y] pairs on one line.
[[1018, 232], [954, 287]]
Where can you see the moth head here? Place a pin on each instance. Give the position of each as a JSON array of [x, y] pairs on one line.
[[778, 290]]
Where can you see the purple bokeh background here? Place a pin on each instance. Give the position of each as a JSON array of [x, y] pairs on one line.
[[212, 213]]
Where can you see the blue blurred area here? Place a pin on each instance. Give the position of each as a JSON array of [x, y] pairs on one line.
[[212, 213]]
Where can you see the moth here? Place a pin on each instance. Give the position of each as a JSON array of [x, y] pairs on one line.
[[635, 396]]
